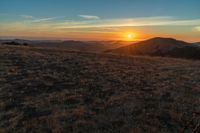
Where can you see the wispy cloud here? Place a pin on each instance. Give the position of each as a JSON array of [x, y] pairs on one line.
[[132, 22], [27, 16], [30, 18], [43, 19], [89, 17], [28, 24]]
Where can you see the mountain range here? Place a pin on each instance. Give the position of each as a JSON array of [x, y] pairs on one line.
[[158, 46], [87, 46]]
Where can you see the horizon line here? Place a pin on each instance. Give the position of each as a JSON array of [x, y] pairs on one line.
[[75, 39]]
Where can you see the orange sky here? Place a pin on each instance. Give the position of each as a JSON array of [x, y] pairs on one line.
[[100, 19], [101, 29]]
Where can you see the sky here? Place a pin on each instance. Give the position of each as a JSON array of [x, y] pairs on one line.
[[100, 19]]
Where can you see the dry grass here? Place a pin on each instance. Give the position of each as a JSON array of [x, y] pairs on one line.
[[46, 90]]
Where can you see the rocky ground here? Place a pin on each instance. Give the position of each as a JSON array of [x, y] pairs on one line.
[[52, 90]]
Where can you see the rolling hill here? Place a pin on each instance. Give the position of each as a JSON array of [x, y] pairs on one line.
[[88, 46], [158, 46], [47, 90]]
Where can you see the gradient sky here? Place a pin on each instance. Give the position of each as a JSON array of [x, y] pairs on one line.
[[99, 19]]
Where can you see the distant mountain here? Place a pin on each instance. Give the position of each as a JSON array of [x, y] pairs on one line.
[[161, 47], [19, 41], [15, 43], [88, 46]]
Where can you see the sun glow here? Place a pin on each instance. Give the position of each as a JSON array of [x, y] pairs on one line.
[[129, 36]]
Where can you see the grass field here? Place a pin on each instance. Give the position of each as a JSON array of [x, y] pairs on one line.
[[53, 90]]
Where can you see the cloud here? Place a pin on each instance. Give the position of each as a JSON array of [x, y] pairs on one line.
[[61, 25], [30, 17], [43, 19], [132, 22], [89, 17], [27, 16]]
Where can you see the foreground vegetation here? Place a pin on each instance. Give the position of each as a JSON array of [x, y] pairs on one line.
[[52, 90]]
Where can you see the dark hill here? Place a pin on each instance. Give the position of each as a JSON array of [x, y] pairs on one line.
[[15, 43], [161, 47]]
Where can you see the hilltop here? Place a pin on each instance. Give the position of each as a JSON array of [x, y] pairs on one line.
[[158, 46]]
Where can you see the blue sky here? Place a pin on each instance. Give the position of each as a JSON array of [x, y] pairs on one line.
[[68, 17], [103, 8]]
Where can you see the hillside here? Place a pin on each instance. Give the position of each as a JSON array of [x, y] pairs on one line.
[[52, 90], [161, 47]]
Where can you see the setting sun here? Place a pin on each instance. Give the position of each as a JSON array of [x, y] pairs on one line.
[[129, 36]]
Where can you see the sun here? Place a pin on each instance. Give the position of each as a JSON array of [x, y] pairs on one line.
[[129, 36]]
